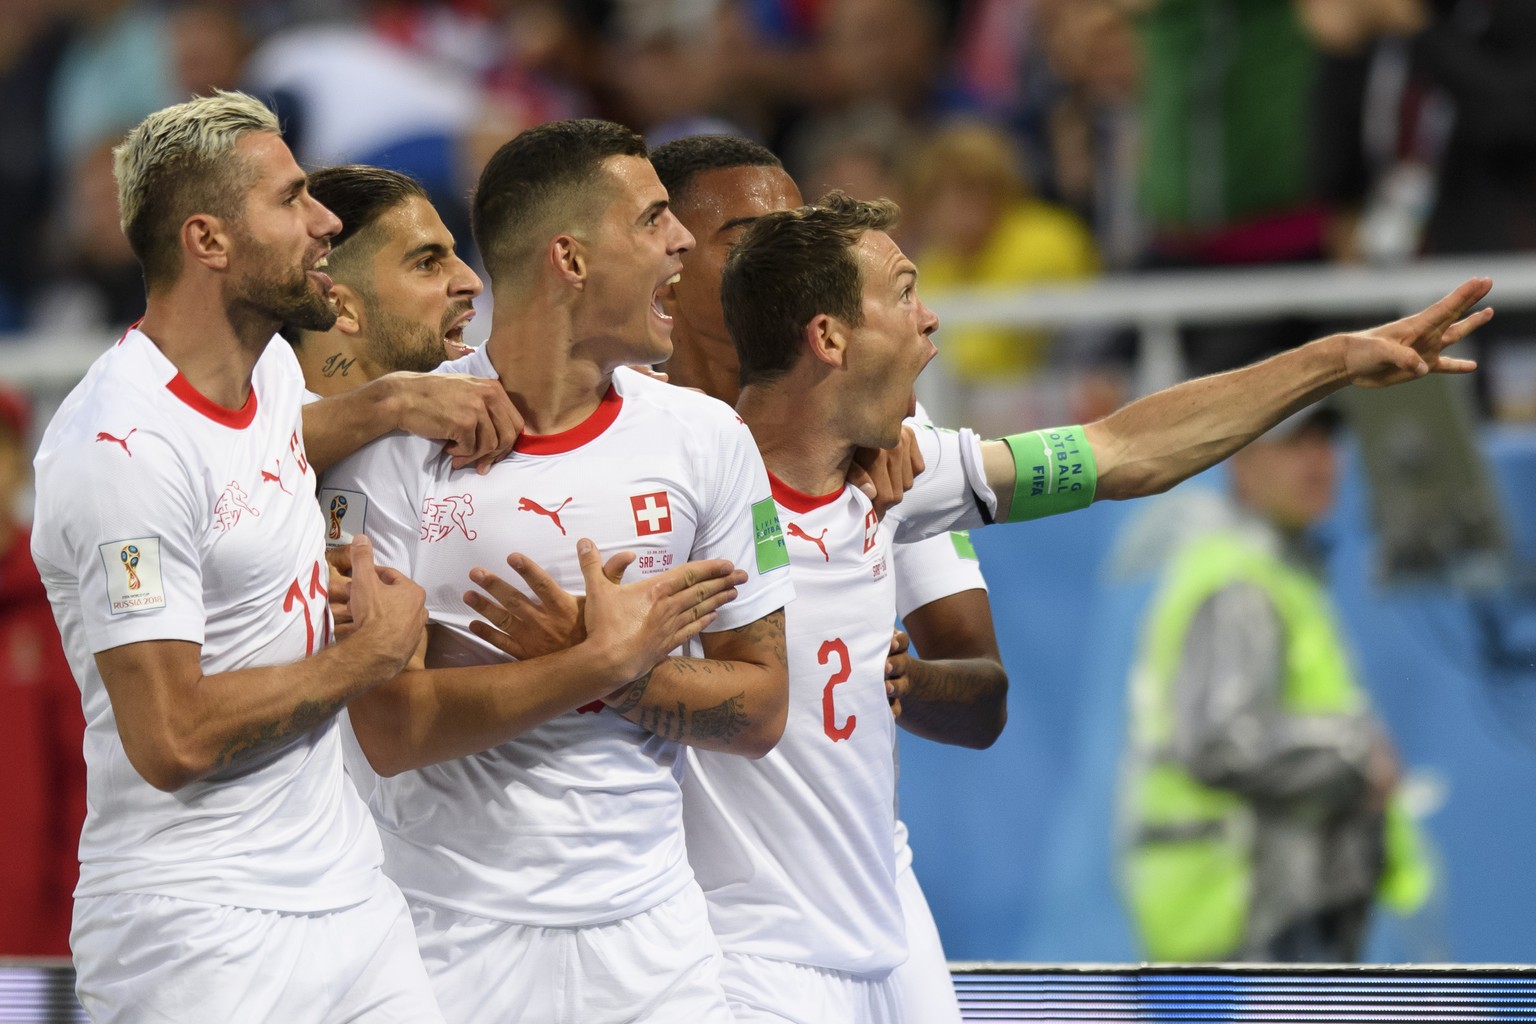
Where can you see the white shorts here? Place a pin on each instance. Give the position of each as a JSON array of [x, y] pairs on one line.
[[927, 988], [764, 991], [157, 960], [661, 967]]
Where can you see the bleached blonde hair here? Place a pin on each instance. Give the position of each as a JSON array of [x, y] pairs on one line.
[[180, 161]]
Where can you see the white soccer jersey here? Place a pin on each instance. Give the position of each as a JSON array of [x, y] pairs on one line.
[[934, 567], [161, 516], [578, 821], [794, 850]]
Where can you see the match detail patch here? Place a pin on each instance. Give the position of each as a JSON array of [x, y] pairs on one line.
[[768, 536]]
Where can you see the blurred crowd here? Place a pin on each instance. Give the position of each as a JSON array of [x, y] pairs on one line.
[[1027, 140]]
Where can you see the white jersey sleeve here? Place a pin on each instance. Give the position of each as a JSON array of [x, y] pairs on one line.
[[934, 568], [951, 493], [129, 532]]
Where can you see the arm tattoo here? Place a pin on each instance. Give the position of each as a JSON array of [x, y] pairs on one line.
[[767, 631], [721, 722], [666, 723], [307, 714], [635, 694]]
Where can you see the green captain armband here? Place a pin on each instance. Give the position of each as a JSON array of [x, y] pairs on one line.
[[1054, 472]]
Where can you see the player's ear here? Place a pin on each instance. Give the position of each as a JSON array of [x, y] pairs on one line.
[[205, 238], [569, 260], [349, 309], [827, 339]]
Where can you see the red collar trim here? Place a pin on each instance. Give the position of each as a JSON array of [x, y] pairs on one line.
[[799, 501], [569, 440], [235, 419]]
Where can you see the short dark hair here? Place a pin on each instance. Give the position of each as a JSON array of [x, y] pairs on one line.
[[360, 195], [789, 267], [547, 179], [678, 162]]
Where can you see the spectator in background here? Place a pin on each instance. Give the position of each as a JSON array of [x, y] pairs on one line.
[[350, 93], [1481, 53], [41, 728], [95, 283], [978, 222], [33, 38], [1257, 803], [1226, 100]]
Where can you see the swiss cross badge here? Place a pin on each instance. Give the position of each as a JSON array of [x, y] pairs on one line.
[[871, 527], [653, 513]]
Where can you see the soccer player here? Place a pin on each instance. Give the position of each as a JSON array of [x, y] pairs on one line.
[[794, 850], [227, 871], [720, 184], [536, 829], [403, 295]]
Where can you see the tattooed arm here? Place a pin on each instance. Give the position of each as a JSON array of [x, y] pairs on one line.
[[735, 699], [179, 726], [437, 714], [957, 692]]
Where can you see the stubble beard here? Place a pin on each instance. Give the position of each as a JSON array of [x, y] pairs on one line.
[[398, 343], [289, 297]]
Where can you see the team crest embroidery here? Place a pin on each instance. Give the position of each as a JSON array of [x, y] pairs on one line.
[[440, 517], [653, 513], [133, 575], [231, 504], [871, 528]]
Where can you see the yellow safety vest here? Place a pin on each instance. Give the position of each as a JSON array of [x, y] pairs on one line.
[[1187, 872]]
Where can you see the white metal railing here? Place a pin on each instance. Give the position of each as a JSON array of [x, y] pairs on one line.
[[1156, 305]]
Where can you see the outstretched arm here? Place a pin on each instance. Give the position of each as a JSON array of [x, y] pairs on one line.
[[472, 416], [1157, 441]]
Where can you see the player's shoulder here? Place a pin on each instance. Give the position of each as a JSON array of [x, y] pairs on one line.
[[696, 411]]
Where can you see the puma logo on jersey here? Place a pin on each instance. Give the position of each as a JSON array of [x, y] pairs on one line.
[[793, 529], [529, 505], [276, 478], [441, 516], [121, 442]]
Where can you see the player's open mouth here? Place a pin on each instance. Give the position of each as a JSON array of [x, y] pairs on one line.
[[324, 279], [455, 334], [656, 296]]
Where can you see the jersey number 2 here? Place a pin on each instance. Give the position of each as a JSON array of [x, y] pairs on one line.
[[834, 731]]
